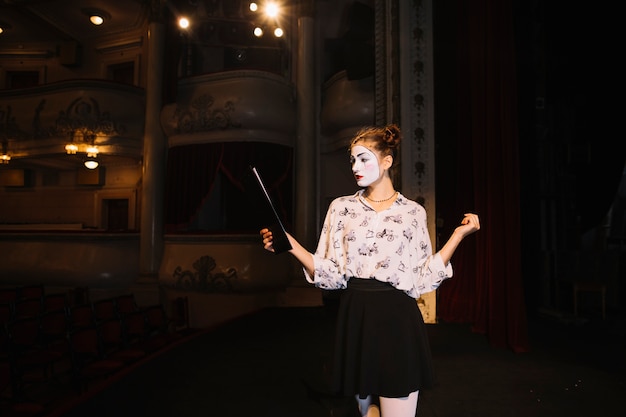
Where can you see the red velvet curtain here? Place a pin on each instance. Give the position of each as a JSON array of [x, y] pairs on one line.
[[192, 170], [191, 173], [487, 289]]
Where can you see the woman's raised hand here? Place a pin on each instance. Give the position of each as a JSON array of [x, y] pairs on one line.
[[469, 225]]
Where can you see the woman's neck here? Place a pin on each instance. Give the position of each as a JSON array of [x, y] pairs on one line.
[[380, 192]]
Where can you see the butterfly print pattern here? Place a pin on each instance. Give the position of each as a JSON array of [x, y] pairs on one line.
[[392, 246]]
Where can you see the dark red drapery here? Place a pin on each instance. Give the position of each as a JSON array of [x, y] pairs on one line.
[[487, 289], [192, 170]]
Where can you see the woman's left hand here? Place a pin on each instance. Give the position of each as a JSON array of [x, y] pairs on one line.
[[469, 225]]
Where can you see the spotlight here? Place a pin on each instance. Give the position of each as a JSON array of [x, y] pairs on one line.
[[258, 32], [183, 23], [278, 32], [271, 10]]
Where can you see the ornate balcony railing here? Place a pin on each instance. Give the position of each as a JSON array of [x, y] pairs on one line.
[[41, 120]]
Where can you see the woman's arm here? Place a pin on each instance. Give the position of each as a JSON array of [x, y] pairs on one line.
[[297, 250], [469, 225]]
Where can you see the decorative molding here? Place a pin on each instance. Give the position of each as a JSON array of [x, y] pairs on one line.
[[41, 120], [381, 62], [204, 279], [82, 122], [418, 104], [201, 116], [423, 104], [249, 105], [83, 117], [9, 129], [417, 118]]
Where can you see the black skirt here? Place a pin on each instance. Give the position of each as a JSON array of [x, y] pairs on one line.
[[381, 345]]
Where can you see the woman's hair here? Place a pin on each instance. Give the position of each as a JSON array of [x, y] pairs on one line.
[[385, 140]]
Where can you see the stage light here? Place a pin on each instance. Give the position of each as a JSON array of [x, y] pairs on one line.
[[183, 23], [271, 10]]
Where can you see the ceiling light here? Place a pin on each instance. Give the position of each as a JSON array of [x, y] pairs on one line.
[[92, 151], [71, 148], [91, 164], [278, 32], [258, 32], [254, 7], [5, 157], [96, 20], [96, 16]]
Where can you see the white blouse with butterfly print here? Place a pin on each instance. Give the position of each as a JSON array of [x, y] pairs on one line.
[[391, 246]]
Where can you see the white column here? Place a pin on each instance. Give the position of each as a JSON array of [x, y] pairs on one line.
[[418, 149]]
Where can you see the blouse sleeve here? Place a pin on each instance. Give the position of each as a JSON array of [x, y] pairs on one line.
[[428, 269], [328, 259]]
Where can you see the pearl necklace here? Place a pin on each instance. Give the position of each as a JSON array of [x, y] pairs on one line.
[[382, 201]]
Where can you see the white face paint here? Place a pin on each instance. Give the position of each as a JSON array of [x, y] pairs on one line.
[[365, 165]]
